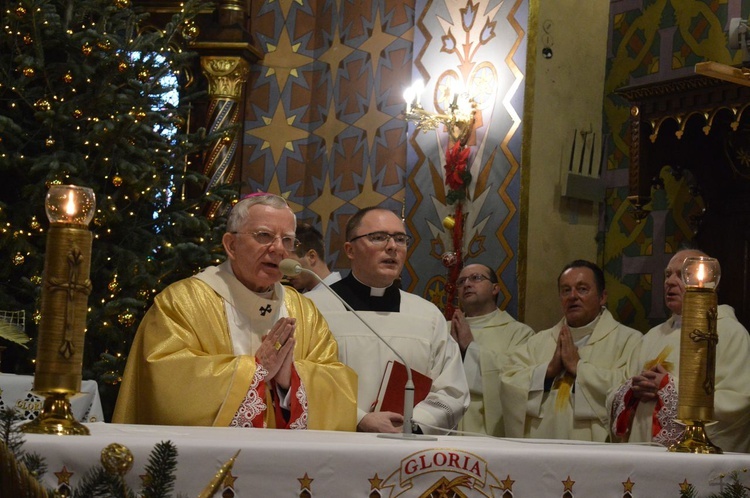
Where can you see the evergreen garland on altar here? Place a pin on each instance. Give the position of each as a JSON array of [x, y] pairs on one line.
[[87, 97]]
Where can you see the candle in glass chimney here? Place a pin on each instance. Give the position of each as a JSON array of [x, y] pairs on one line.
[[71, 208]]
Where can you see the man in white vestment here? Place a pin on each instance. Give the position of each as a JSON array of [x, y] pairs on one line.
[[232, 347], [485, 335], [310, 254], [645, 407], [555, 386], [376, 246]]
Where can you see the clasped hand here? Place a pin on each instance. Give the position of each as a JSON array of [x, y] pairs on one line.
[[461, 331], [565, 358], [276, 352], [646, 385]]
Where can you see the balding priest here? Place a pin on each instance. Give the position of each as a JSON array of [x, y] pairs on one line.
[[233, 347]]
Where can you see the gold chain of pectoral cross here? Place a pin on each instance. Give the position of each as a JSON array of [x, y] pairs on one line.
[[712, 338], [71, 286]]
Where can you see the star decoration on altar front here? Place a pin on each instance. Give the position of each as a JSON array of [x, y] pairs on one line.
[[63, 477], [684, 485], [375, 482], [628, 485], [305, 482], [568, 483], [229, 480], [507, 483]]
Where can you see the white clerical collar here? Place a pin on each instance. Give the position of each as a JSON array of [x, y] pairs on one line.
[[374, 291], [579, 333], [264, 308], [482, 321]]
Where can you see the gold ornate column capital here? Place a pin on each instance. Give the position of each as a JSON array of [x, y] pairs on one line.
[[226, 75]]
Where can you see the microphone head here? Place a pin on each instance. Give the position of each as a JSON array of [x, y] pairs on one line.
[[290, 267]]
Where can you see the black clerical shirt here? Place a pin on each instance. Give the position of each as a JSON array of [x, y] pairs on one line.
[[357, 295]]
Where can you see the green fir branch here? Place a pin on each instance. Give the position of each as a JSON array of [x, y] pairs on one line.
[[160, 471]]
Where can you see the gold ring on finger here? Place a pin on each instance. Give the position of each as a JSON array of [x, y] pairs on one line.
[[277, 346]]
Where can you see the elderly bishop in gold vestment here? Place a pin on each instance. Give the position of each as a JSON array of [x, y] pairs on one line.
[[231, 346]]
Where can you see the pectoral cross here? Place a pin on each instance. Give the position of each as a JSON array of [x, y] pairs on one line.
[[71, 286], [712, 338], [265, 310]]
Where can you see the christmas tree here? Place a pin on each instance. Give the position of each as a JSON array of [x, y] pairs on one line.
[[91, 95]]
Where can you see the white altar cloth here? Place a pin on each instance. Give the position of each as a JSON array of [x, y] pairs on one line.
[[16, 392], [279, 463]]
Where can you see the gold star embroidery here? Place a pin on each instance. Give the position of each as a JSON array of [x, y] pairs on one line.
[[507, 483], [375, 482], [63, 477], [628, 485], [568, 484], [229, 480], [684, 485], [304, 482]]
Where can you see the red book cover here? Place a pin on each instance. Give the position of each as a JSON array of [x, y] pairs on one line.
[[391, 392]]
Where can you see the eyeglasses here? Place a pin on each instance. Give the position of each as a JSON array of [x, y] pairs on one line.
[[266, 239], [475, 277], [381, 238]]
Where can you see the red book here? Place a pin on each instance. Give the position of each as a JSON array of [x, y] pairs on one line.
[[391, 392]]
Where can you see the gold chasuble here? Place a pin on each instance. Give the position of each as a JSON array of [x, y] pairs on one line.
[[183, 368]]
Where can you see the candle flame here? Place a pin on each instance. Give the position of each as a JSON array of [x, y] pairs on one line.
[[70, 207], [701, 273]]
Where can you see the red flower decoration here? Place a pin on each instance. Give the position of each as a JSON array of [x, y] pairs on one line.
[[457, 177]]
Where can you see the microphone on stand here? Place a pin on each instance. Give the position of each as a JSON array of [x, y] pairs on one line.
[[290, 268]]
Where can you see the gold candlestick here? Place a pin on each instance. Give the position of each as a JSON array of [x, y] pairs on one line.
[[65, 290], [695, 407]]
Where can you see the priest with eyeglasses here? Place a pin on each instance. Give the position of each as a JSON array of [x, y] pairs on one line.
[[376, 247], [231, 346], [486, 335]]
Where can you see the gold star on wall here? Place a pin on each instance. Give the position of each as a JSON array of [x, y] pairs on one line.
[[278, 134], [304, 482], [337, 53], [274, 187], [368, 196], [377, 42], [326, 204], [372, 120], [330, 128], [282, 60], [684, 485]]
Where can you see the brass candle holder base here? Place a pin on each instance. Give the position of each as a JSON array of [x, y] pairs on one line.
[[56, 418], [695, 440]]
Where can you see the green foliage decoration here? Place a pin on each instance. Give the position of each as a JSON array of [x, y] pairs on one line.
[[87, 98]]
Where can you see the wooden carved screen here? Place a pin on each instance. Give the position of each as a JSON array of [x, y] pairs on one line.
[[699, 124]]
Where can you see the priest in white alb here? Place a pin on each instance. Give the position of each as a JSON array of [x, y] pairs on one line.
[[644, 408], [555, 386], [376, 247], [486, 335]]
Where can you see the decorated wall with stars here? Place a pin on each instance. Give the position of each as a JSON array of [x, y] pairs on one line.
[[324, 123]]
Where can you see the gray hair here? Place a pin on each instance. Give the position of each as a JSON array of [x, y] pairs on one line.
[[239, 214]]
